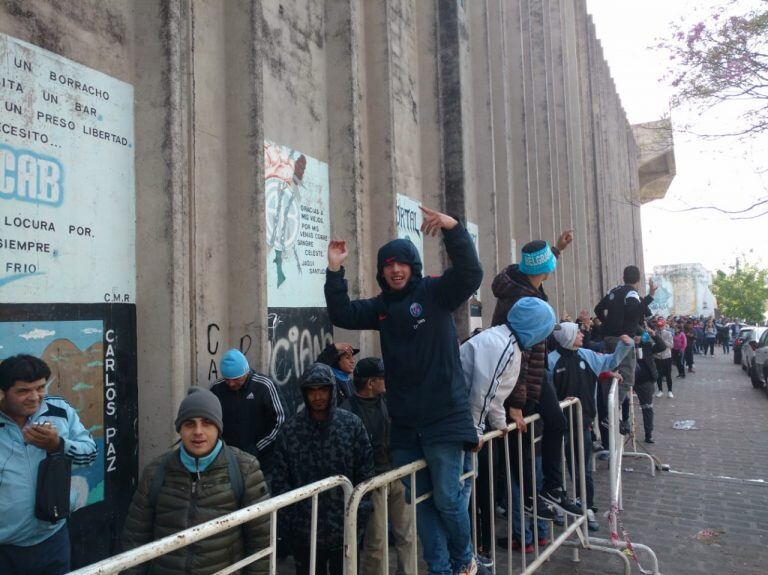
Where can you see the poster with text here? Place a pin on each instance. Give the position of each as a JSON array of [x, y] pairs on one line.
[[298, 227], [67, 198], [409, 222]]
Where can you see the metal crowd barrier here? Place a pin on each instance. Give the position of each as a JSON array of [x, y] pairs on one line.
[[616, 452], [269, 507], [574, 525]]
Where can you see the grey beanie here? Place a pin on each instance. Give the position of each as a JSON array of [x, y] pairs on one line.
[[200, 403]]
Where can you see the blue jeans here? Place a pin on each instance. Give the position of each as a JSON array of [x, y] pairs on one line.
[[543, 523], [443, 519], [49, 557]]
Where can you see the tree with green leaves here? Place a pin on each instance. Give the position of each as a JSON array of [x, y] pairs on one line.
[[742, 293]]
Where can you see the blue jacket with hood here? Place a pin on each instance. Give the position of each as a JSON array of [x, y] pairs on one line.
[[426, 390]]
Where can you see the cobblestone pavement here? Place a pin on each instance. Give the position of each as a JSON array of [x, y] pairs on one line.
[[716, 481]]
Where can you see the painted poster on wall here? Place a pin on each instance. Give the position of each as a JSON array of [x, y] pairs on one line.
[[298, 227], [67, 201], [409, 222]]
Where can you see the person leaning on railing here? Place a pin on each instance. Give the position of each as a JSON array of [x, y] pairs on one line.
[[200, 481]]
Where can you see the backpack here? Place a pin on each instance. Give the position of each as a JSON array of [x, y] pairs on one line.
[[613, 304], [235, 477]]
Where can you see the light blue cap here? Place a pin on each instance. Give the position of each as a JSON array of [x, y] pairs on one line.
[[234, 364], [532, 320]]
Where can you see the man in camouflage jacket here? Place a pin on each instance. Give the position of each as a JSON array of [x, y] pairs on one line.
[[316, 443]]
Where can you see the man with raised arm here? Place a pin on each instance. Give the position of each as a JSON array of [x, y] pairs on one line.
[[426, 390]]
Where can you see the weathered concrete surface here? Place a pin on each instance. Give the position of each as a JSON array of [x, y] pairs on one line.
[[502, 112], [656, 159]]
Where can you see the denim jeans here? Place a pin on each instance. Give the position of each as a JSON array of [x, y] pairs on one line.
[[443, 519], [543, 524], [49, 557]]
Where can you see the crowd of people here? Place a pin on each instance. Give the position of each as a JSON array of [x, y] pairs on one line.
[[429, 397]]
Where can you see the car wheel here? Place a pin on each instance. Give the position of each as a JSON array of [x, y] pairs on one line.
[[754, 377]]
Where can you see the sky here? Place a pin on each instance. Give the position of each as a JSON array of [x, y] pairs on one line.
[[724, 172]]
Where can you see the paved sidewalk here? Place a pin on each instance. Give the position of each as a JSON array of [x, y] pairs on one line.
[[718, 481]]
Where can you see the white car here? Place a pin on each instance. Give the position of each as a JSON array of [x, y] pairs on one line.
[[749, 346]]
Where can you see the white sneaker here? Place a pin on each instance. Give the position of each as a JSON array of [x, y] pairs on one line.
[[658, 394], [670, 395], [592, 523]]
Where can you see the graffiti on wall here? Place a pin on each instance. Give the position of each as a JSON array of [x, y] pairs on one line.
[[66, 181], [298, 226], [296, 338]]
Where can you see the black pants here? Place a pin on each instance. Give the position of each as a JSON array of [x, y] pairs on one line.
[[553, 426], [689, 357], [664, 370], [644, 392], [49, 557], [677, 358], [327, 562], [709, 343], [484, 504]]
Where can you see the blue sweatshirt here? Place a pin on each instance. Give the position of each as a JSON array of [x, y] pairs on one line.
[[18, 470]]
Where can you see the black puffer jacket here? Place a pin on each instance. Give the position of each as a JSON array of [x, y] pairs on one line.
[[183, 503], [308, 451]]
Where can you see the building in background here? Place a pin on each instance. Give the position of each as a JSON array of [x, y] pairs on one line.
[[684, 289]]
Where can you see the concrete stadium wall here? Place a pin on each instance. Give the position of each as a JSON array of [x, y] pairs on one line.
[[503, 112]]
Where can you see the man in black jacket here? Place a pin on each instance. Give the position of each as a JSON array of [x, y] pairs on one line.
[[369, 404], [426, 391], [621, 311], [316, 443], [252, 411]]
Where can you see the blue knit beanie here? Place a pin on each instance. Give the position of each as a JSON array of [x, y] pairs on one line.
[[537, 258], [234, 365]]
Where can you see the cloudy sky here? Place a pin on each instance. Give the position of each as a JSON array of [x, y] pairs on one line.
[[725, 172]]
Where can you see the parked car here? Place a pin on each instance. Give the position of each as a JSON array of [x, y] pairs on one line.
[[743, 332], [759, 372], [748, 347]]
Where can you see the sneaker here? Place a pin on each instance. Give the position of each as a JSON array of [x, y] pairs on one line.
[[502, 542], [649, 439], [658, 393], [559, 519], [470, 569], [604, 456], [624, 427], [560, 499], [484, 559], [670, 395], [543, 542], [542, 508], [592, 523], [691, 370]]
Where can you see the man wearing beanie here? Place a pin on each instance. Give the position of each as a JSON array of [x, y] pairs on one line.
[[251, 408], [574, 370], [533, 393], [201, 480], [426, 391]]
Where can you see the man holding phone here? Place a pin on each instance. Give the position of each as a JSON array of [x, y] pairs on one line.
[[32, 425]]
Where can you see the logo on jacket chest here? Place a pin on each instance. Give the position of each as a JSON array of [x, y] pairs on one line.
[[416, 310]]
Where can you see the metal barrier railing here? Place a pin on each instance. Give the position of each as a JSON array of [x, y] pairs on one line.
[[189, 536], [616, 453], [574, 525]]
